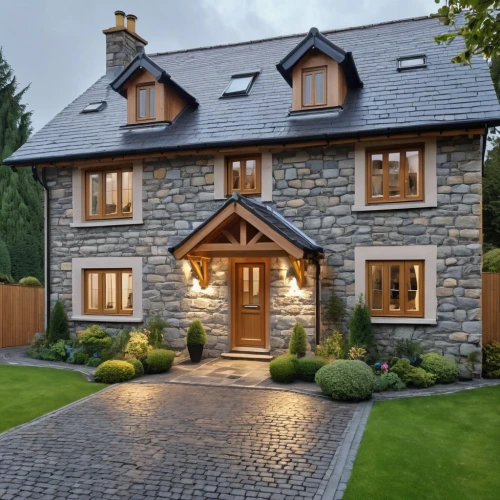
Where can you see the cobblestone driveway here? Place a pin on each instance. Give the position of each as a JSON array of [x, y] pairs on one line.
[[183, 442]]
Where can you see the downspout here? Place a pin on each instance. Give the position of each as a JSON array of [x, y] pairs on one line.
[[318, 302], [43, 182], [484, 143]]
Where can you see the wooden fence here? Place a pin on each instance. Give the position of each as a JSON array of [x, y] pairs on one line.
[[490, 307], [21, 314]]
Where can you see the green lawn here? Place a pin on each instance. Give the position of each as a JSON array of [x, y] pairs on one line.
[[27, 392], [438, 447]]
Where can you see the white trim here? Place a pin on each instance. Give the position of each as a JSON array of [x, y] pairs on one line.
[[79, 264], [430, 177], [79, 200], [427, 253]]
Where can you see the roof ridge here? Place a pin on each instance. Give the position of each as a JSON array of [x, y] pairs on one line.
[[284, 37]]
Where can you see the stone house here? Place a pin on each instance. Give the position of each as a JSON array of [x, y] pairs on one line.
[[244, 184]]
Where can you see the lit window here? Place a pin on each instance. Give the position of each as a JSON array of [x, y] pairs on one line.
[[108, 194], [108, 291], [395, 175], [240, 85], [146, 103], [94, 107], [243, 175], [314, 87], [395, 288], [412, 62]]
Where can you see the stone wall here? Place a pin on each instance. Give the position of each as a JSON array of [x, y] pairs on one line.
[[315, 190]]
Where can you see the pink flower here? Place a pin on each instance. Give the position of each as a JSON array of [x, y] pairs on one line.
[[385, 367]]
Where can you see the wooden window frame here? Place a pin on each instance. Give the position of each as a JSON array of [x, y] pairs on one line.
[[243, 160], [101, 310], [403, 179], [102, 193], [404, 277], [147, 87], [313, 72]]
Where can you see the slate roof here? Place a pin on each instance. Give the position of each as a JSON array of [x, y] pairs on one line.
[[439, 96], [267, 215]]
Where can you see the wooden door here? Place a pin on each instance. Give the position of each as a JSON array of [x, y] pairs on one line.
[[250, 304]]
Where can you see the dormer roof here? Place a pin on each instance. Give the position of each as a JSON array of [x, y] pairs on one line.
[[314, 39], [142, 62]]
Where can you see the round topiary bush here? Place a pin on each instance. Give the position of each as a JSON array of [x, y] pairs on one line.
[[445, 369], [196, 334], [138, 367], [346, 380], [30, 281], [307, 367], [298, 340], [283, 367], [113, 372], [160, 360]]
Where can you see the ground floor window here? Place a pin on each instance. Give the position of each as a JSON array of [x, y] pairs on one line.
[[108, 291], [395, 288]]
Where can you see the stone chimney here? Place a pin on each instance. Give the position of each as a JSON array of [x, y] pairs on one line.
[[122, 42]]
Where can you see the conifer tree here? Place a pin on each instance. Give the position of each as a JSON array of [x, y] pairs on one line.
[[5, 266]]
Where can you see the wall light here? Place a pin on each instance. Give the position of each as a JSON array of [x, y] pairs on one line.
[[294, 287]]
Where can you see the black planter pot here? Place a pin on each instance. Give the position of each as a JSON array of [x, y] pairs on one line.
[[195, 352]]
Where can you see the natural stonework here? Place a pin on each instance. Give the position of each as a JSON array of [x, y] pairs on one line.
[[314, 189]]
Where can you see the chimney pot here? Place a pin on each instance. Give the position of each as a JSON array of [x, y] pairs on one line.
[[131, 19], [120, 18]]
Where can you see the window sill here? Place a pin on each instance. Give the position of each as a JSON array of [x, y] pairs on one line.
[[410, 205], [108, 222], [403, 321], [108, 318]]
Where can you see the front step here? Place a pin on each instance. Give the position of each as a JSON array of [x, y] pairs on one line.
[[250, 356]]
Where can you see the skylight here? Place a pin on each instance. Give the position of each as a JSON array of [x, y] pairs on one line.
[[240, 84], [94, 107], [412, 62]]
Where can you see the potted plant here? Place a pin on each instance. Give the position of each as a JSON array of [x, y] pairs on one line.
[[196, 338]]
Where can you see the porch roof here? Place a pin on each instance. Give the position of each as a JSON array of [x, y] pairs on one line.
[[275, 227]]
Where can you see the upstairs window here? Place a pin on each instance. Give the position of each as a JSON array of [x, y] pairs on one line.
[[243, 175], [395, 288], [314, 87], [395, 175], [240, 85], [108, 193], [145, 102], [108, 291], [412, 62]]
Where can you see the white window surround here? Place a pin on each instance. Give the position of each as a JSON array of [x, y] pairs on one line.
[[79, 264], [360, 181], [79, 200], [427, 253], [266, 177]]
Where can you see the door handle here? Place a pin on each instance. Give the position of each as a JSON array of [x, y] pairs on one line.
[[251, 307]]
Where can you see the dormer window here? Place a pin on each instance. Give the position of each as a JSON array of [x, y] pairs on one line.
[[146, 102], [314, 87]]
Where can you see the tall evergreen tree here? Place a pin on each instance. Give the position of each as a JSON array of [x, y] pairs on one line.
[[5, 266], [21, 208]]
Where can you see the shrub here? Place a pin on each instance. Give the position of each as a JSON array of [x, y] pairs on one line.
[[283, 368], [30, 281], [298, 340], [491, 360], [389, 381], [138, 366], [445, 369], [333, 346], [408, 348], [411, 375], [335, 310], [6, 278], [58, 326], [357, 353], [137, 346], [118, 346], [79, 358], [54, 352], [306, 368], [38, 339], [112, 372], [94, 362], [491, 261], [94, 340], [346, 380], [360, 326], [160, 360], [155, 327], [196, 334]]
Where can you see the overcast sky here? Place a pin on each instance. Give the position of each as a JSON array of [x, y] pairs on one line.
[[58, 47]]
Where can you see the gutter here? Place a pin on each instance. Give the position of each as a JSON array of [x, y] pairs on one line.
[[43, 182]]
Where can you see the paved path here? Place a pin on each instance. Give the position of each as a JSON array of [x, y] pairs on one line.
[[180, 442]]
